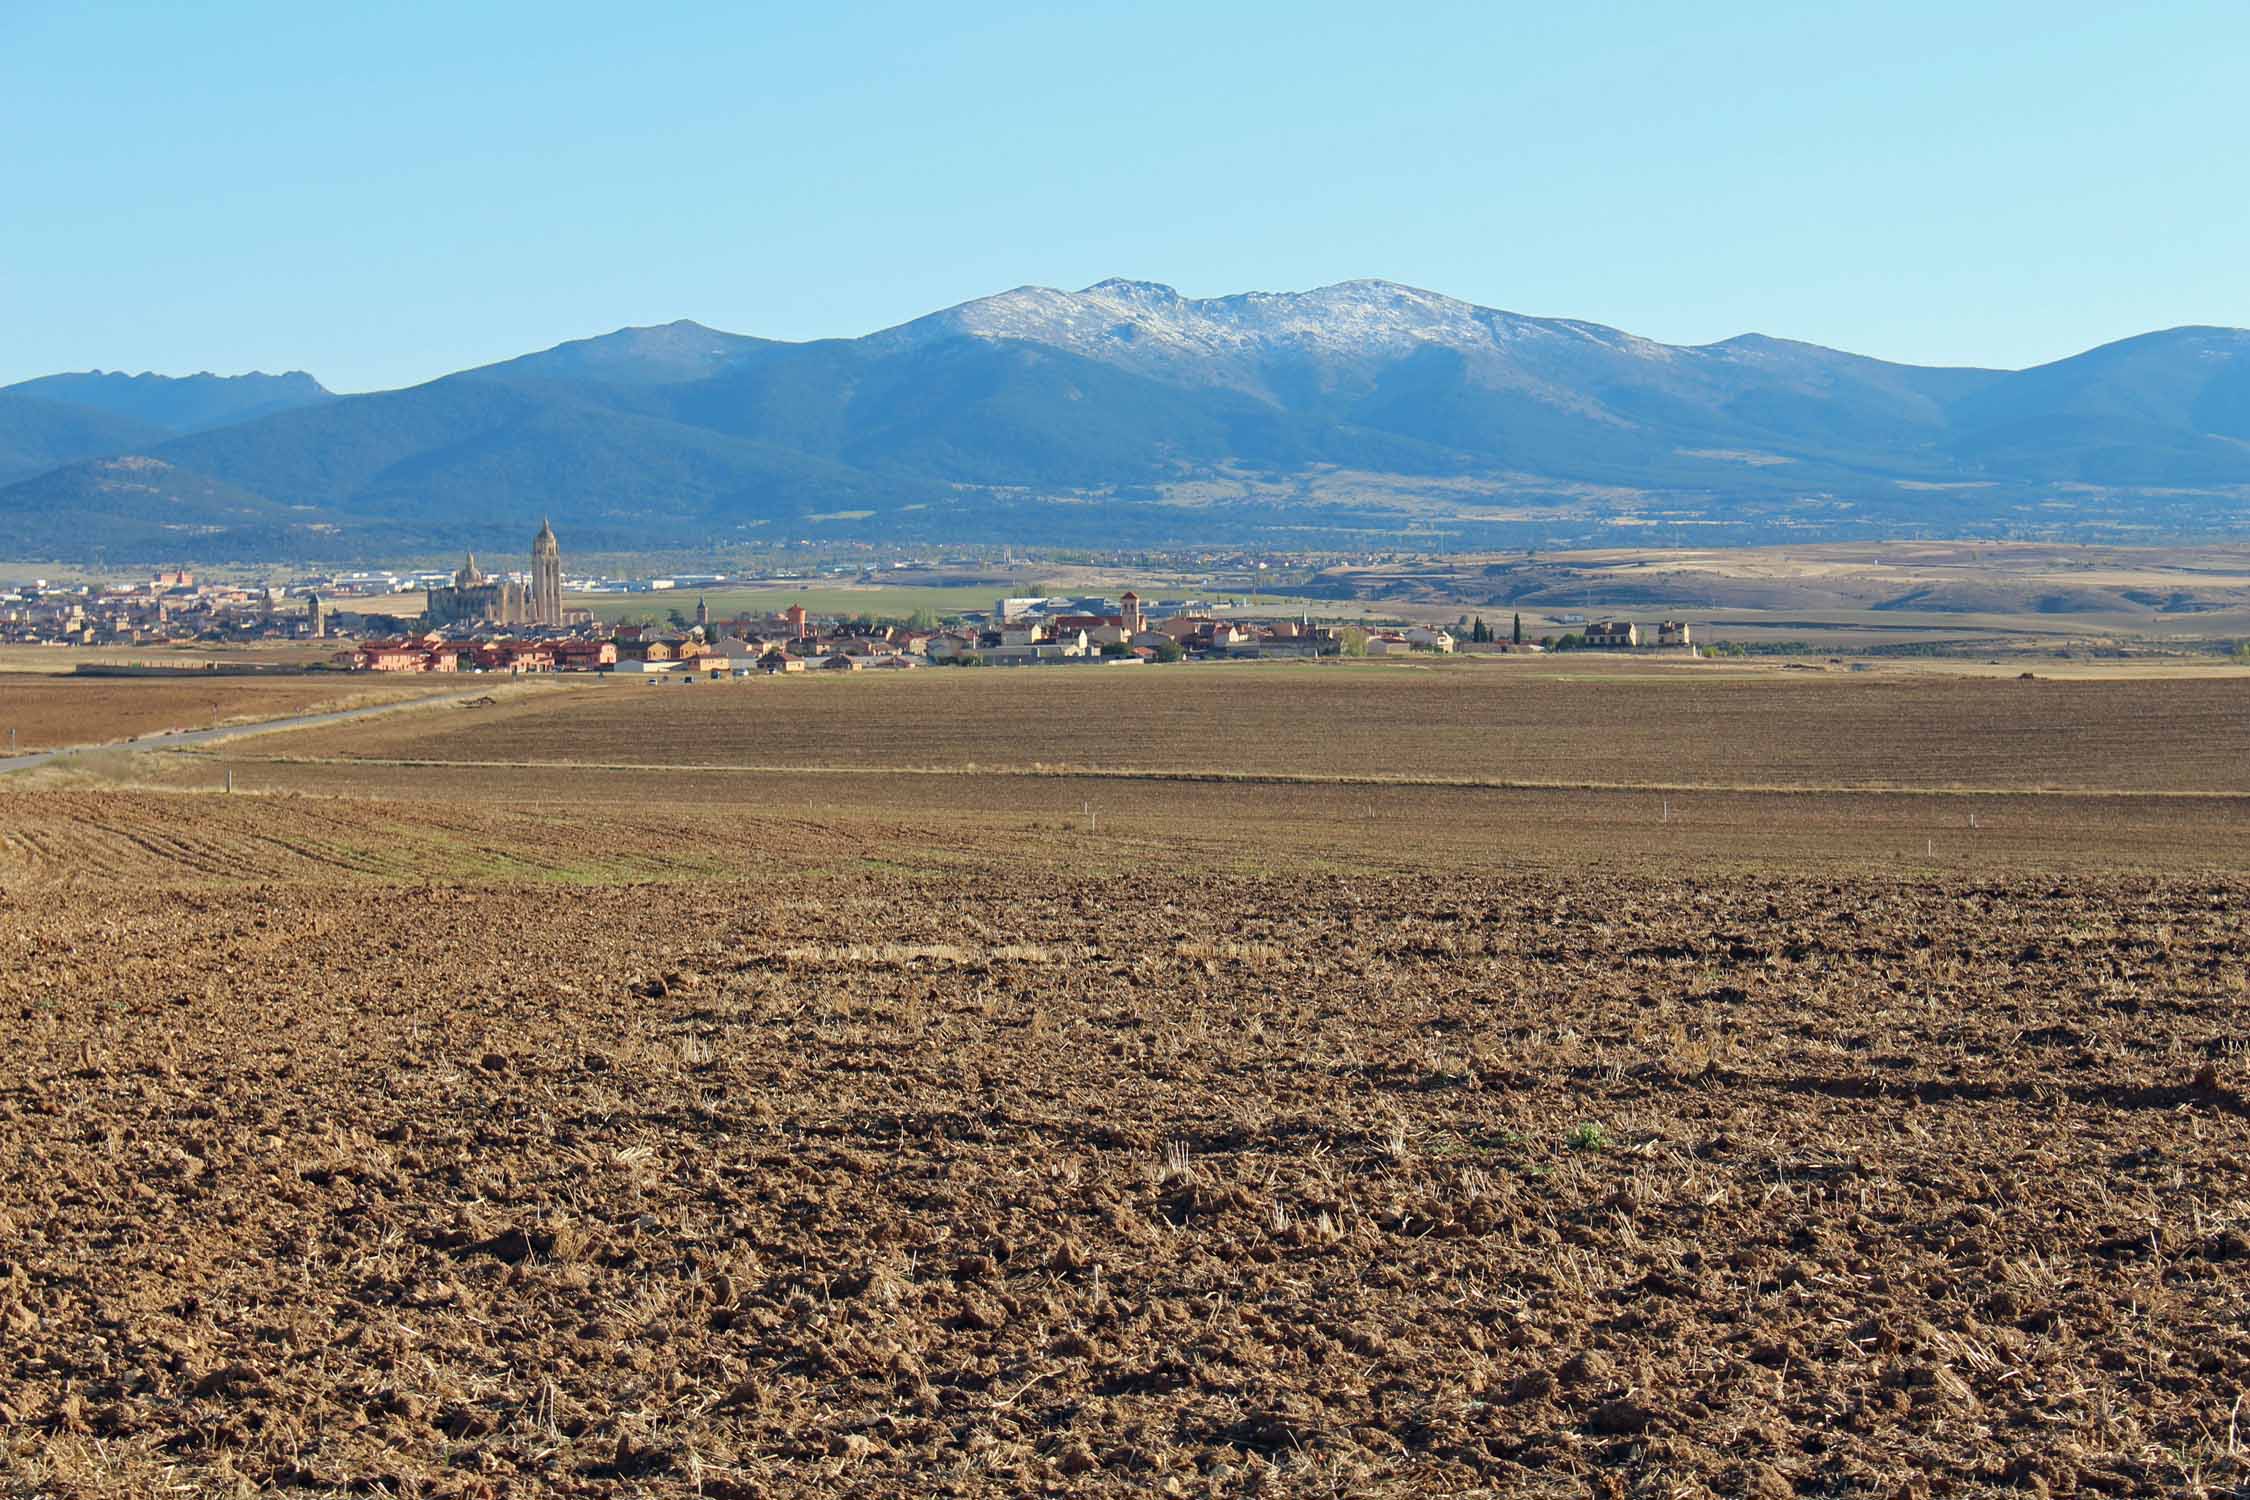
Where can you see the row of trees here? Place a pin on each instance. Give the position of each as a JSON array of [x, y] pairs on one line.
[[1481, 634]]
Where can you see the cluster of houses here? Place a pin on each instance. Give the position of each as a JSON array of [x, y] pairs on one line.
[[1023, 632], [170, 606], [1624, 635], [1416, 638], [1017, 632], [175, 606]]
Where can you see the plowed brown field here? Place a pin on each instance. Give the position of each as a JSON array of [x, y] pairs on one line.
[[1520, 720], [49, 711], [463, 1129]]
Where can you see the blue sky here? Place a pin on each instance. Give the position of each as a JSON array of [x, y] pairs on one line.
[[381, 194]]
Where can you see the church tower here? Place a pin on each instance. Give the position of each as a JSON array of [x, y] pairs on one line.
[[546, 577]]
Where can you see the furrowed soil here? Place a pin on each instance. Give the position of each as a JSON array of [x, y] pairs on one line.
[[1562, 722], [873, 1126], [296, 823], [47, 711]]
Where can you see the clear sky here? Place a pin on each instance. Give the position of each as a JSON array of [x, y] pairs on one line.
[[384, 193]]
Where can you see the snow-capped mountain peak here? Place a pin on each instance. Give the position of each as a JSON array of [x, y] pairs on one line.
[[1149, 326]]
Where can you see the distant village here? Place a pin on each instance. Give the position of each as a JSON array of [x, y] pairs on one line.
[[478, 622], [171, 607], [1016, 632]]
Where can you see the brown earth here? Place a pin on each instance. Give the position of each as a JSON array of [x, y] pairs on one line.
[[468, 1130], [997, 1183], [608, 827], [49, 711], [1514, 721]]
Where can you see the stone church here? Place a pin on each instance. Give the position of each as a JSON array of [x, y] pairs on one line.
[[476, 599]]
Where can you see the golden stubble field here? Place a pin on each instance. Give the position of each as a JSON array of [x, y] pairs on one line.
[[421, 1121]]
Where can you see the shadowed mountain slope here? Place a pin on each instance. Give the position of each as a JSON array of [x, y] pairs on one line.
[[178, 404], [1365, 408]]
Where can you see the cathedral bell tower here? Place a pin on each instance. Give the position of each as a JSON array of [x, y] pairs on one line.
[[546, 577]]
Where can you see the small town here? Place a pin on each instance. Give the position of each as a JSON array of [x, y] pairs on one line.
[[485, 630], [474, 621], [171, 606]]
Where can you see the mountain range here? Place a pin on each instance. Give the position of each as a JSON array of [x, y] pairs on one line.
[[1356, 415]]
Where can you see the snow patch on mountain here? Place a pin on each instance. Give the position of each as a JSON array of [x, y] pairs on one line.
[[1145, 323]]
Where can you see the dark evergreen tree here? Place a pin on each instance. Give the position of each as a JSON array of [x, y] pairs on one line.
[[1519, 629]]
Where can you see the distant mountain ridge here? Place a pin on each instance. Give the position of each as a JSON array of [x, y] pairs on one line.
[[178, 403], [1364, 413], [59, 419]]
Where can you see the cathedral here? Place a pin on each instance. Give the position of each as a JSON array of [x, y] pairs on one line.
[[476, 599]]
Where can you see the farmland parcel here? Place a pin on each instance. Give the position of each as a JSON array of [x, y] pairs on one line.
[[1361, 1080]]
